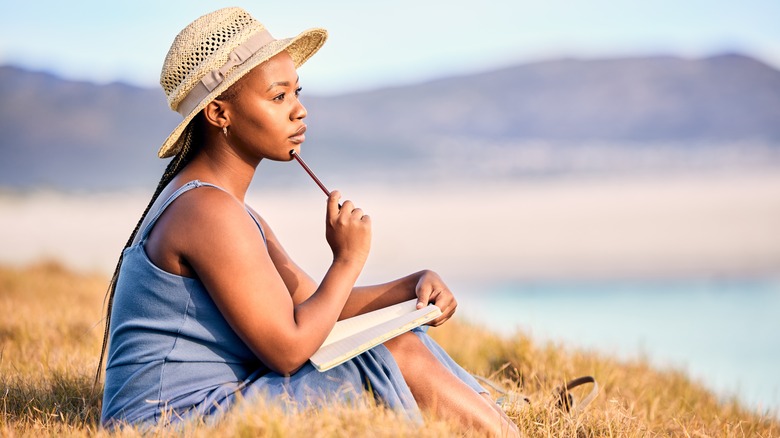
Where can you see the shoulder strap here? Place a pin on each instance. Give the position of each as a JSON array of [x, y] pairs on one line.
[[259, 226]]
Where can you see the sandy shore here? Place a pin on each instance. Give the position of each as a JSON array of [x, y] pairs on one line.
[[628, 227]]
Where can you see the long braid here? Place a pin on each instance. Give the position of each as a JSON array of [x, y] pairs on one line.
[[177, 163]]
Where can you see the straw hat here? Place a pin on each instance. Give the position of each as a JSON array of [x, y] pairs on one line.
[[214, 52]]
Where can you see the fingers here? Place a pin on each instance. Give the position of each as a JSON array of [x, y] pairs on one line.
[[424, 294], [335, 209], [426, 285], [348, 229], [348, 212], [444, 300], [431, 289], [333, 203]]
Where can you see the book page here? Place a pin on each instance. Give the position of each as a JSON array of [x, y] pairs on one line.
[[353, 336], [357, 324]]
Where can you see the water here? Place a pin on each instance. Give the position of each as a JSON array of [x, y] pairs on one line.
[[725, 334]]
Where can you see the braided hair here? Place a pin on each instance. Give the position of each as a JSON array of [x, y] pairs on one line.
[[192, 137]]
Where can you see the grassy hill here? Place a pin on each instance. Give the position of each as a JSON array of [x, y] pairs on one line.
[[50, 334]]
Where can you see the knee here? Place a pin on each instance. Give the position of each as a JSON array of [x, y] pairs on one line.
[[403, 343], [407, 349]]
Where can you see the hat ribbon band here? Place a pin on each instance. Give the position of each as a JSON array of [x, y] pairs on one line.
[[212, 79]]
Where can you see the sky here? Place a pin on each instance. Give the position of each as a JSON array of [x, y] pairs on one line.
[[375, 44]]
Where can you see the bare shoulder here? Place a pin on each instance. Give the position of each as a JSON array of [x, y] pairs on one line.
[[207, 206], [201, 225]]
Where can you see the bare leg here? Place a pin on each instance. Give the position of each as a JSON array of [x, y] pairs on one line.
[[500, 411], [443, 394]]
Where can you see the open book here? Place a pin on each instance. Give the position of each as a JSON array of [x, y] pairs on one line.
[[355, 335]]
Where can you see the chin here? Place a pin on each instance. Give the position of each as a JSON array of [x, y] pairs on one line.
[[281, 156]]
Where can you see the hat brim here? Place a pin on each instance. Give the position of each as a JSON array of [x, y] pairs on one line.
[[300, 47]]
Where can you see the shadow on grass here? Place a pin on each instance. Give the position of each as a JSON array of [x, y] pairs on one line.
[[58, 398]]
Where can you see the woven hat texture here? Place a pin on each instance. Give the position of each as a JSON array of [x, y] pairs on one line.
[[215, 51]]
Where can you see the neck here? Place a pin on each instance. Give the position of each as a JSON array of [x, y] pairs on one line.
[[219, 164]]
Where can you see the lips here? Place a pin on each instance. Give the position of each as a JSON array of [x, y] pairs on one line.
[[299, 136]]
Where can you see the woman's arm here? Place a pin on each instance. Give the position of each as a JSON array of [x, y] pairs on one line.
[[211, 232], [425, 285]]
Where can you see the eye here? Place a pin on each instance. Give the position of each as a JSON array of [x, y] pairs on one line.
[[279, 97], [298, 91]]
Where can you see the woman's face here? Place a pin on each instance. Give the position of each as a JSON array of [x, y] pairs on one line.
[[266, 117]]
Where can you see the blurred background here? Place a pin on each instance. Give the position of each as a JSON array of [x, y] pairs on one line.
[[602, 173]]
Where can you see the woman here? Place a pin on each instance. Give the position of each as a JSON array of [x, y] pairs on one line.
[[206, 306]]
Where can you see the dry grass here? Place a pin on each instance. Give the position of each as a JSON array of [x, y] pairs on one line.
[[50, 336]]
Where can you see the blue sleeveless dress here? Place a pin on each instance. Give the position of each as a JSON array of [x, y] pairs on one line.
[[173, 357]]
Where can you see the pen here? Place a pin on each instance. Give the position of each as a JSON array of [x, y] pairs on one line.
[[309, 171]]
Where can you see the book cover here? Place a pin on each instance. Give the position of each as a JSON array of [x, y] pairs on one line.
[[355, 335]]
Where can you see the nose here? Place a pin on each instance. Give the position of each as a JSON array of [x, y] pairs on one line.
[[298, 112]]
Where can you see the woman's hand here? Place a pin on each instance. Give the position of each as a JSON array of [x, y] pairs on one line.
[[347, 230], [431, 289]]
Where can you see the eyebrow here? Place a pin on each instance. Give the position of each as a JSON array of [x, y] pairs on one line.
[[282, 83]]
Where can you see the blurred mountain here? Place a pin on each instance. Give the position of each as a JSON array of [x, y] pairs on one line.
[[553, 117], [72, 135]]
